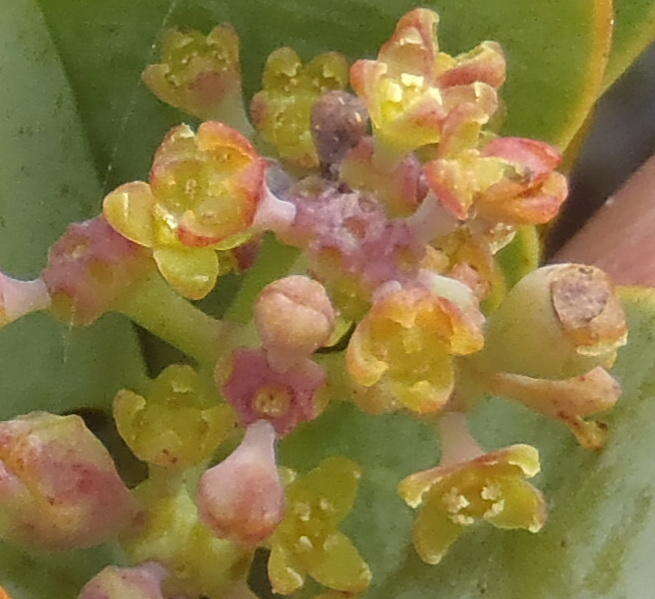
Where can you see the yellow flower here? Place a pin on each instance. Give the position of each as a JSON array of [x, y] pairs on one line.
[[178, 423], [411, 88], [204, 193], [282, 111], [406, 343], [490, 487], [200, 74], [308, 540]]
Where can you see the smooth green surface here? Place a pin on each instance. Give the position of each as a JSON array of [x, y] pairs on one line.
[[598, 542], [634, 29], [47, 180]]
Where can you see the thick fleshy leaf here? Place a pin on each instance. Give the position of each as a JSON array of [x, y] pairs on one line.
[[47, 180], [634, 29], [598, 540]]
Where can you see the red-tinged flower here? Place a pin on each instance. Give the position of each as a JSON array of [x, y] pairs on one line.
[[18, 298], [89, 269], [405, 344], [59, 488], [242, 498], [407, 90], [285, 399], [201, 75], [399, 188], [282, 111], [144, 581], [207, 192], [294, 317], [510, 180]]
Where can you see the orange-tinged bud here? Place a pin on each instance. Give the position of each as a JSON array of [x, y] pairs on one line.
[[59, 488], [282, 111], [294, 317], [201, 75], [569, 400], [242, 498]]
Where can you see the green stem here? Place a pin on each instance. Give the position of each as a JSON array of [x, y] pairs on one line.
[[157, 308]]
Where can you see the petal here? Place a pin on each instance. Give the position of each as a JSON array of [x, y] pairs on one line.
[[522, 506], [332, 485], [284, 572], [485, 63], [128, 209], [434, 532], [191, 272], [338, 565]]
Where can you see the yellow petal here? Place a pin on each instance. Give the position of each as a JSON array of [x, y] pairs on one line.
[[520, 505], [283, 572], [337, 564], [434, 532], [191, 272], [128, 209]]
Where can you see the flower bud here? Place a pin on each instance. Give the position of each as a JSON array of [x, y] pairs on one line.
[[59, 488], [285, 399], [18, 298], [201, 75], [559, 321], [568, 400], [242, 498], [89, 269], [177, 424], [141, 582], [339, 121], [294, 317]]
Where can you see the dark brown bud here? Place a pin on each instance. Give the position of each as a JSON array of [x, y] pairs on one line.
[[339, 121]]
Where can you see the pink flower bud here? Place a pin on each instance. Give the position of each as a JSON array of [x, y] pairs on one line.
[[294, 317], [242, 498], [18, 298], [284, 399], [89, 268], [141, 582], [59, 488]]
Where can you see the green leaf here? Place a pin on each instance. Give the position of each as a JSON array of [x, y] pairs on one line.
[[634, 29], [598, 542], [47, 180]]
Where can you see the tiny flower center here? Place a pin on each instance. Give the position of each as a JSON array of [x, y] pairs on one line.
[[272, 401]]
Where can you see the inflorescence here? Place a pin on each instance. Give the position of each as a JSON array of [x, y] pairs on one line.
[[399, 197]]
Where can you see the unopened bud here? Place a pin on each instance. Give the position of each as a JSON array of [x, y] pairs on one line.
[[18, 298], [242, 498], [89, 269], [294, 317], [558, 322], [339, 121], [141, 582], [59, 488]]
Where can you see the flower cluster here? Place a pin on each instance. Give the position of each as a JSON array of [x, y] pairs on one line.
[[396, 197]]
